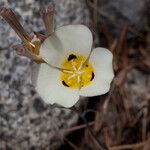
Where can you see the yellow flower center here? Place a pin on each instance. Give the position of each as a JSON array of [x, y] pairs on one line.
[[77, 74]]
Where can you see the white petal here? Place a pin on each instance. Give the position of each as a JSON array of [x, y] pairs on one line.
[[48, 85], [101, 59], [65, 41]]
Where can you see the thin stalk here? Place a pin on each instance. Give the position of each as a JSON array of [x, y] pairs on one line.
[[60, 69], [101, 146]]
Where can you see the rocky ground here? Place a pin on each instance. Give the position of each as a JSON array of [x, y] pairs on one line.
[[26, 122]]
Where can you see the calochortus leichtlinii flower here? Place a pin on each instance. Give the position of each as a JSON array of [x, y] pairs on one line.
[[67, 65]]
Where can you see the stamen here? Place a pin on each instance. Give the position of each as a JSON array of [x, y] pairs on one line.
[[80, 72], [47, 15], [67, 71], [79, 82], [72, 64], [69, 78], [81, 65]]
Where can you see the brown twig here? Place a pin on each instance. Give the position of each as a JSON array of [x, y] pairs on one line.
[[118, 80], [111, 43], [105, 105], [130, 146], [108, 141], [121, 57], [144, 123], [101, 146], [79, 127], [71, 144], [95, 19]]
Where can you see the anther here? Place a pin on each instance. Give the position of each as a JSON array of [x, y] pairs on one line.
[[67, 71]]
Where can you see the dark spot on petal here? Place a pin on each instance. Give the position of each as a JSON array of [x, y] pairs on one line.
[[93, 75], [72, 56], [86, 65], [65, 84]]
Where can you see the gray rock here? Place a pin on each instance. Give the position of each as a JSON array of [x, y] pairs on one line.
[[116, 13]]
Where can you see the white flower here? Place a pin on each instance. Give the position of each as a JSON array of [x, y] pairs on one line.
[[67, 66], [78, 71]]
